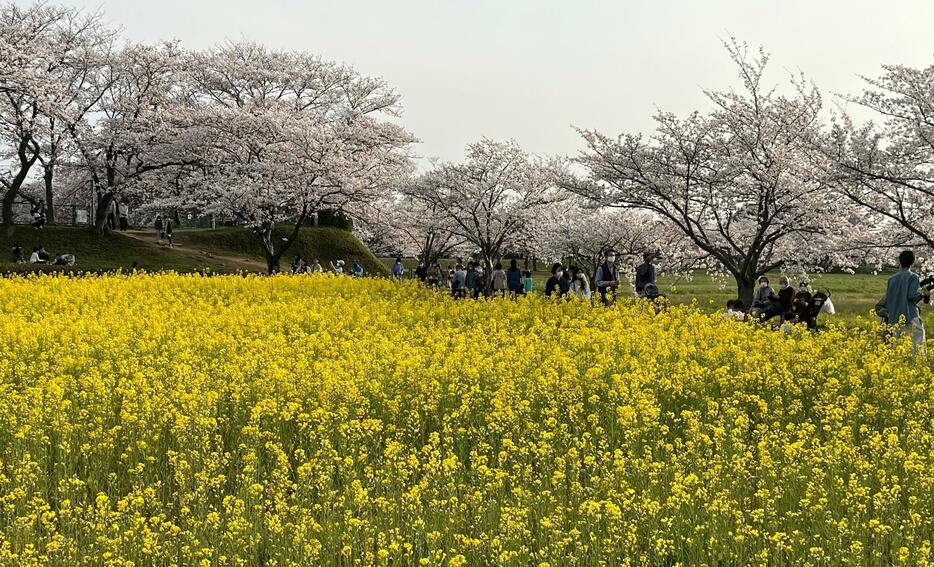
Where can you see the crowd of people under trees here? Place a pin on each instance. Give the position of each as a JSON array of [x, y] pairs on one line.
[[789, 305]]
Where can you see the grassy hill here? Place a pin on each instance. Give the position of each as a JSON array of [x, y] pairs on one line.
[[222, 250], [324, 243]]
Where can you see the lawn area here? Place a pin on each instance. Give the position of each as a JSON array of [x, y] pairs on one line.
[[224, 250], [95, 253]]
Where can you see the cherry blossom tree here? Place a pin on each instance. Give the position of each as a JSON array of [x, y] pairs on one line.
[[400, 224], [887, 169], [740, 181], [284, 134], [491, 200], [137, 126], [578, 231], [33, 46]]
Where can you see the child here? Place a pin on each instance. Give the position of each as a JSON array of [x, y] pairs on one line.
[[527, 282], [729, 313], [788, 322]]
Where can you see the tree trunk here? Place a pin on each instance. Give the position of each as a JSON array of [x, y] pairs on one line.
[[745, 290], [104, 206], [48, 174]]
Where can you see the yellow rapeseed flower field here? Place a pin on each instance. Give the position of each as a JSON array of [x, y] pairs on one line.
[[320, 420]]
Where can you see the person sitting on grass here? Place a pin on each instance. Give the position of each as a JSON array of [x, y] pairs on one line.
[[760, 300], [781, 302], [34, 257], [357, 270], [314, 267]]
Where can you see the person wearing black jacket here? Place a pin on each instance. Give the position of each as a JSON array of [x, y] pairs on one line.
[[553, 285], [607, 278]]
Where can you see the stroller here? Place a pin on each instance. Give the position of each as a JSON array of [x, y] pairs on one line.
[[807, 307]]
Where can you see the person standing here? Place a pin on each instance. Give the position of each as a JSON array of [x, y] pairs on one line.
[[553, 285], [124, 219], [159, 233], [579, 284], [514, 279], [421, 272], [167, 229], [470, 279], [435, 275], [645, 273], [398, 270], [902, 294], [607, 278], [498, 280], [18, 253], [527, 283], [459, 282]]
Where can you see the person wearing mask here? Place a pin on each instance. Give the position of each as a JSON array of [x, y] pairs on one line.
[[398, 270], [514, 279], [903, 292], [760, 301], [580, 287], [498, 280], [357, 270], [459, 282], [645, 273], [527, 283], [18, 254], [337, 267], [607, 279], [781, 302], [553, 285]]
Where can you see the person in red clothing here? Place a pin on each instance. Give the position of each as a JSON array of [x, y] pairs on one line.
[[781, 302]]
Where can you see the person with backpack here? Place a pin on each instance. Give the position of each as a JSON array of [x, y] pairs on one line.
[[607, 278]]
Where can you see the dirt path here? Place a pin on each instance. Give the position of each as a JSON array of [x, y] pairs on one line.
[[231, 262]]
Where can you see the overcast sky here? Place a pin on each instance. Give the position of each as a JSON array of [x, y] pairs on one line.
[[532, 69]]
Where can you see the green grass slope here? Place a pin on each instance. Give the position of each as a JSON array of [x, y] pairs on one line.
[[98, 253], [324, 243]]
